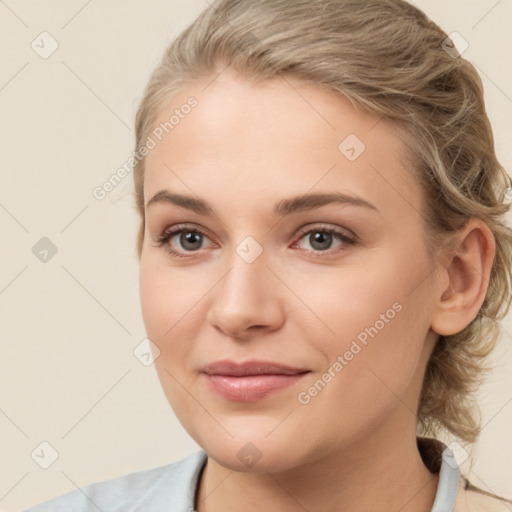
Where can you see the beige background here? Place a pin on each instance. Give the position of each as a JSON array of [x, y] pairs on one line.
[[70, 325]]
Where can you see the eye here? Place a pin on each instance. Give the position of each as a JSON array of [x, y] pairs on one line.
[[189, 238], [321, 239]]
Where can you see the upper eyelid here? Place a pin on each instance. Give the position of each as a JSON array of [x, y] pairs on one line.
[[304, 229]]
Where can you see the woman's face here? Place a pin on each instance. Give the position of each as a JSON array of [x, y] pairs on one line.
[[274, 264]]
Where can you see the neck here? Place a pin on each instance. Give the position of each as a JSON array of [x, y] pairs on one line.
[[382, 469]]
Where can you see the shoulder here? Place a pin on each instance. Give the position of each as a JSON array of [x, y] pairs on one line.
[[473, 499], [158, 488]]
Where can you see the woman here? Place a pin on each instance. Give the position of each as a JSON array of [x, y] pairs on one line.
[[323, 258]]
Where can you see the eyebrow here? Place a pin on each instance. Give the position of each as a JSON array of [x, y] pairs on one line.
[[283, 207]]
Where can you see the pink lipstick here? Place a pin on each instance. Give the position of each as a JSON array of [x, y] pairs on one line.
[[251, 380]]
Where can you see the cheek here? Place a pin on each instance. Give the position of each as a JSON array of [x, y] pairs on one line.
[[368, 307], [172, 312], [166, 297], [163, 312], [380, 330], [152, 299], [374, 376]]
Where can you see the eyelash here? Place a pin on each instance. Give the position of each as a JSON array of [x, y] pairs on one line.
[[163, 239]]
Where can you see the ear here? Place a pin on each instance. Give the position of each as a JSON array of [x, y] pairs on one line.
[[467, 274]]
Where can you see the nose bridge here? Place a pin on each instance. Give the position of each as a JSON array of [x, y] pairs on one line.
[[247, 274], [245, 297]]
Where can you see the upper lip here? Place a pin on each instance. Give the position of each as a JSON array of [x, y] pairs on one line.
[[226, 367]]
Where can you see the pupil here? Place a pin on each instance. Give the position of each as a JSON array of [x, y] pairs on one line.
[[188, 238], [320, 239]]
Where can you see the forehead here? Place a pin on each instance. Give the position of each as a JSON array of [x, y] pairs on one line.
[[282, 135]]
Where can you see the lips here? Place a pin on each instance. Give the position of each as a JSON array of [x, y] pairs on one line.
[[251, 380]]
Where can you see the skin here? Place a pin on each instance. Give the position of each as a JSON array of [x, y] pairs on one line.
[[244, 148]]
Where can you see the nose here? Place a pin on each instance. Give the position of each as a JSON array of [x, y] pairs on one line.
[[247, 301]]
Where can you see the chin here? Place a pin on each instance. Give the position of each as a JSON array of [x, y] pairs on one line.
[[253, 452], [253, 458]]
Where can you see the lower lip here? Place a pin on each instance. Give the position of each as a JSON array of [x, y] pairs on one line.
[[251, 387]]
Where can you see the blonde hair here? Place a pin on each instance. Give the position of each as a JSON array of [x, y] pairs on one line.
[[387, 57]]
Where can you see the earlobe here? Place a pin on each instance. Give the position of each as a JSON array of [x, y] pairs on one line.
[[468, 273]]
